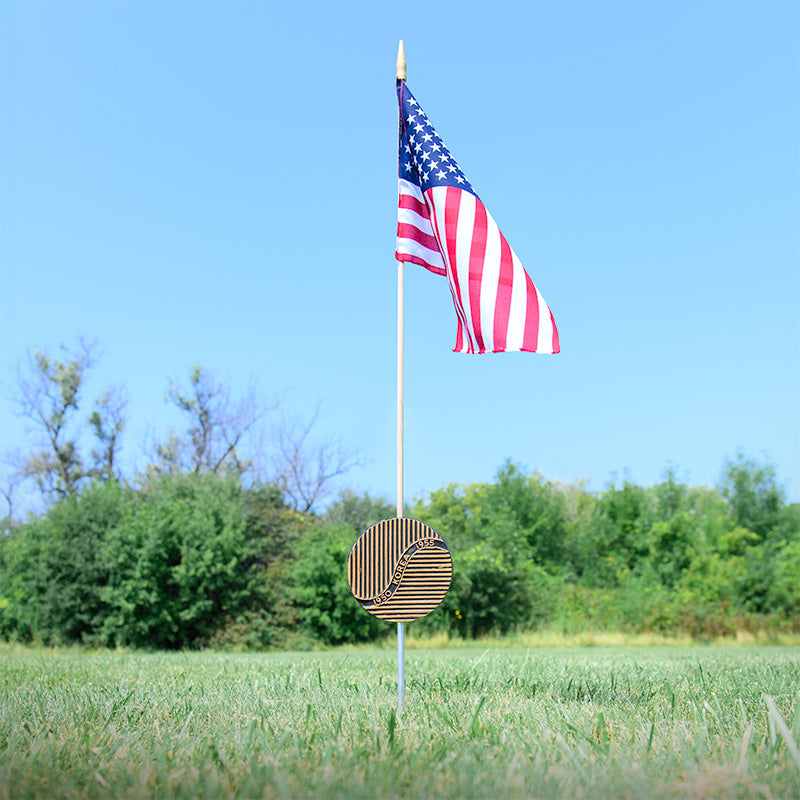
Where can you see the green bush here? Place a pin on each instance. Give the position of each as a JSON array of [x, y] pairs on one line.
[[178, 562], [55, 569], [755, 499], [325, 605], [783, 596], [489, 594], [616, 537], [192, 560]]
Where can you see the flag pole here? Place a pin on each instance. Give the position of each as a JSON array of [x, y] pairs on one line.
[[401, 666]]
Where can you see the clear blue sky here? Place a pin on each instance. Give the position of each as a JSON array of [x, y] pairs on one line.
[[215, 183]]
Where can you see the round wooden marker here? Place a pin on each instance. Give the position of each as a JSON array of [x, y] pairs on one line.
[[400, 569]]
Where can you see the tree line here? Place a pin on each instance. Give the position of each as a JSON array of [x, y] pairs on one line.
[[203, 550]]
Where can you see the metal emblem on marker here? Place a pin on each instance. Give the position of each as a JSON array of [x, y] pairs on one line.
[[400, 569]]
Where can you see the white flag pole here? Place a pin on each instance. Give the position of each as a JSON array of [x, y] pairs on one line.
[[400, 313], [401, 666]]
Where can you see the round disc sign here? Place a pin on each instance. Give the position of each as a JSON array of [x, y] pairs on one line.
[[400, 569]]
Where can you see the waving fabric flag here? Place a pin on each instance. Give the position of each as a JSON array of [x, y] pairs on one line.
[[443, 226]]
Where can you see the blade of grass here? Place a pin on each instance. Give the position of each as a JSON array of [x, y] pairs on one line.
[[783, 729]]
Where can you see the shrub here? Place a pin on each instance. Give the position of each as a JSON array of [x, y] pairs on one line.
[[55, 569], [178, 563], [325, 605], [489, 595]]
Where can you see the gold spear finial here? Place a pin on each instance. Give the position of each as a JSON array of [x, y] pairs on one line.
[[401, 62]]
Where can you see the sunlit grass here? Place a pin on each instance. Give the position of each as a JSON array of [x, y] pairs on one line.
[[484, 721], [556, 638]]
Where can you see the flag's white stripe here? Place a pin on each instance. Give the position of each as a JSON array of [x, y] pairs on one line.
[[544, 342], [437, 195], [519, 301], [406, 187], [414, 248], [437, 198], [406, 215], [466, 224], [491, 276]]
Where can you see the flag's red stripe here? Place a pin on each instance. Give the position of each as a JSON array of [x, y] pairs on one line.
[[459, 337], [408, 231], [503, 298], [452, 203], [450, 273], [410, 202], [455, 292], [451, 209], [530, 336], [477, 253], [419, 261], [556, 343]]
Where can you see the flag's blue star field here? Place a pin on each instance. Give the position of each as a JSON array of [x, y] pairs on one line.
[[424, 159]]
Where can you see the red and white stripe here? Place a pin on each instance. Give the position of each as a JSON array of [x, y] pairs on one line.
[[416, 239], [450, 232]]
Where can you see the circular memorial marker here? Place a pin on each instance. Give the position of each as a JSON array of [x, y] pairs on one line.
[[400, 569]]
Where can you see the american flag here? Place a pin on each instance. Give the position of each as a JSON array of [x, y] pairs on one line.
[[443, 226]]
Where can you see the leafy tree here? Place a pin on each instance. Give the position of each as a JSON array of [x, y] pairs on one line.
[[671, 497], [449, 512], [226, 437], [358, 512], [784, 589], [755, 500], [7, 490], [671, 543], [525, 509], [217, 428], [617, 536], [769, 585], [673, 533], [50, 396], [272, 526], [711, 577], [578, 509], [107, 424]]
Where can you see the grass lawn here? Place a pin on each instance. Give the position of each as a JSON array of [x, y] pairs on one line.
[[498, 723]]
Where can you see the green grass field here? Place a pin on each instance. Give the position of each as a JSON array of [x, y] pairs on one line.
[[487, 723]]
